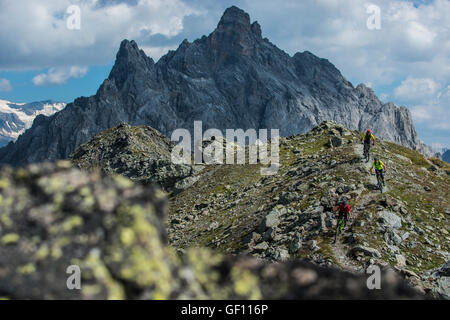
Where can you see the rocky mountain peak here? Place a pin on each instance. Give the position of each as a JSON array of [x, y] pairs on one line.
[[256, 29], [129, 59], [365, 90], [232, 17], [234, 33], [129, 52]]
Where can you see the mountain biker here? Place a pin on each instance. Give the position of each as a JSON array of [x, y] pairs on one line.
[[380, 168], [344, 211], [344, 215], [367, 138]]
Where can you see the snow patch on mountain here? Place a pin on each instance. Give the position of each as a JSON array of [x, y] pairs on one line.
[[15, 118]]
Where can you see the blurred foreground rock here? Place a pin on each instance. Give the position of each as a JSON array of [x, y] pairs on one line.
[[53, 216]]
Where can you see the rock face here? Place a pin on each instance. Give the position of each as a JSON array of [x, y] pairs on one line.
[[232, 78], [139, 153], [53, 216], [15, 118]]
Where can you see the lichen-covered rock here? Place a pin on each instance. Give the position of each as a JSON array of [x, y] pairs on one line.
[[53, 216]]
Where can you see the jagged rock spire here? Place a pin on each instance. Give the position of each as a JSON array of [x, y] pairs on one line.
[[237, 20], [129, 58], [233, 16]]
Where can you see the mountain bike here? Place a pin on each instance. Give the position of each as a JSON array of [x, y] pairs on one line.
[[339, 228], [366, 154], [379, 182]]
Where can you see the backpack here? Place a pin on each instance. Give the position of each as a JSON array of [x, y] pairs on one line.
[[367, 137]]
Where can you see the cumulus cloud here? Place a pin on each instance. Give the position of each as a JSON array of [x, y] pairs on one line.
[[437, 146], [5, 85], [157, 51], [417, 89], [434, 113], [413, 40], [34, 34], [58, 76]]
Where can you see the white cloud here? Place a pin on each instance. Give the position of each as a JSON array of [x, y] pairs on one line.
[[157, 52], [5, 85], [34, 34], [412, 42], [58, 76], [434, 113], [417, 89], [384, 97], [421, 113], [437, 146]]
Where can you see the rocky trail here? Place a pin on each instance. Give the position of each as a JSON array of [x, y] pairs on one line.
[[341, 250], [372, 181]]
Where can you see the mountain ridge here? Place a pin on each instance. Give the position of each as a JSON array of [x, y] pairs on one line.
[[139, 153], [232, 78]]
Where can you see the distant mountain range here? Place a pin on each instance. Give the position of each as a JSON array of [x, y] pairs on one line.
[[15, 118], [446, 156], [232, 79]]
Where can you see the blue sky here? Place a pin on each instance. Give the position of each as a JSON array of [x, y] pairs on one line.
[[406, 61], [24, 90]]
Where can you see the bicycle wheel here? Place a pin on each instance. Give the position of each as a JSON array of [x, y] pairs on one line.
[[380, 184], [366, 153], [339, 228]]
